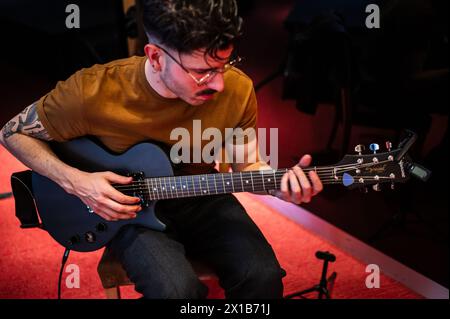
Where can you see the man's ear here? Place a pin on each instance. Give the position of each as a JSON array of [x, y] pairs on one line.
[[153, 54]]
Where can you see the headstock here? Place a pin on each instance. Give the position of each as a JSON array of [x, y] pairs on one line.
[[374, 168]]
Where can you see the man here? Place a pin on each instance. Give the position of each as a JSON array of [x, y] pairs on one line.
[[186, 74]]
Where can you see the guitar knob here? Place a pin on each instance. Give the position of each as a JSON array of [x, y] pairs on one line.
[[359, 148], [101, 227], [388, 146], [376, 187], [374, 147], [90, 237], [73, 240]]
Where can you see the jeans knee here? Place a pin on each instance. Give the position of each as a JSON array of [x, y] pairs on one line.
[[174, 288], [257, 281], [267, 278]]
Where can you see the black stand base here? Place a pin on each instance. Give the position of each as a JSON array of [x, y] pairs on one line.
[[325, 287]]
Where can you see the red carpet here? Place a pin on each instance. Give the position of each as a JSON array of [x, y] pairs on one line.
[[30, 259]]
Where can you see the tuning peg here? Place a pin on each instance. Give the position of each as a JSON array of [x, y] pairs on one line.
[[374, 147], [359, 148], [376, 187], [388, 145]]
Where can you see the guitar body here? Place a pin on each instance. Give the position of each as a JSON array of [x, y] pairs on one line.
[[67, 218]]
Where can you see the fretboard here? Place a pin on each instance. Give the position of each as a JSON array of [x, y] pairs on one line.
[[154, 188]]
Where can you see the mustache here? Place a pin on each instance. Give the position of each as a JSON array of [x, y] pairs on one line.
[[206, 92]]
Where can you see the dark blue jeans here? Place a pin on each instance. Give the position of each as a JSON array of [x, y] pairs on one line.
[[212, 229]]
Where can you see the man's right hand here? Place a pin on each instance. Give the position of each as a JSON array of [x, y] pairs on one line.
[[95, 190]]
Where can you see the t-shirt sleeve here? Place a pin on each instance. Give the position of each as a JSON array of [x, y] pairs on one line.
[[61, 111]]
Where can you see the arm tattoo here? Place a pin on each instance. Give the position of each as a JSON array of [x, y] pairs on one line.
[[28, 123]]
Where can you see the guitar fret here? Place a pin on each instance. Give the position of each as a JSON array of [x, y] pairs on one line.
[[198, 178], [167, 180], [251, 177], [193, 185], [223, 182], [242, 182], [166, 189], [148, 190], [248, 183], [190, 185], [227, 182], [183, 185], [207, 186], [215, 183], [275, 179], [172, 187], [262, 177], [168, 186], [155, 188], [162, 188], [155, 194], [269, 182], [176, 187], [175, 180]]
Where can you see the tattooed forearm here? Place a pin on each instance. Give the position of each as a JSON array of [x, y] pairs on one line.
[[8, 129], [28, 123]]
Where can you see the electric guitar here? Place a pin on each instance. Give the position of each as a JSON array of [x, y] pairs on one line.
[[72, 224]]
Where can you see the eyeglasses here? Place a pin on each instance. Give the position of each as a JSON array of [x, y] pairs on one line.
[[208, 74]]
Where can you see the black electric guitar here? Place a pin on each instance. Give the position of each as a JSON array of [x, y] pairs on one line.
[[72, 224]]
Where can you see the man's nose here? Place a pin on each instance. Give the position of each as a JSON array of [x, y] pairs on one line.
[[216, 83]]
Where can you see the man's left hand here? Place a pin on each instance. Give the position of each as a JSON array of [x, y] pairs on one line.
[[296, 187]]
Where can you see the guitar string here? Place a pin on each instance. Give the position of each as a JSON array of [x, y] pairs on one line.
[[168, 193], [143, 185], [189, 187], [182, 194], [235, 175], [217, 183], [173, 190], [348, 167]]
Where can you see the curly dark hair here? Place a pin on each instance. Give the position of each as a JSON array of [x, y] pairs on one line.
[[189, 25]]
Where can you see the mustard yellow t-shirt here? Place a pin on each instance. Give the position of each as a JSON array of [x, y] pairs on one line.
[[115, 103]]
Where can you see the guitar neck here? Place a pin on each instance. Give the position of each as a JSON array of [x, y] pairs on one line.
[[155, 188]]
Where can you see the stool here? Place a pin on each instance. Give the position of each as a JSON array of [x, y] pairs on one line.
[[112, 274]]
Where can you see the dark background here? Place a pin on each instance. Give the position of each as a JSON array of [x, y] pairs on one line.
[[306, 58]]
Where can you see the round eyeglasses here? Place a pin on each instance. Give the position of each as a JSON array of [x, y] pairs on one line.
[[208, 74]]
